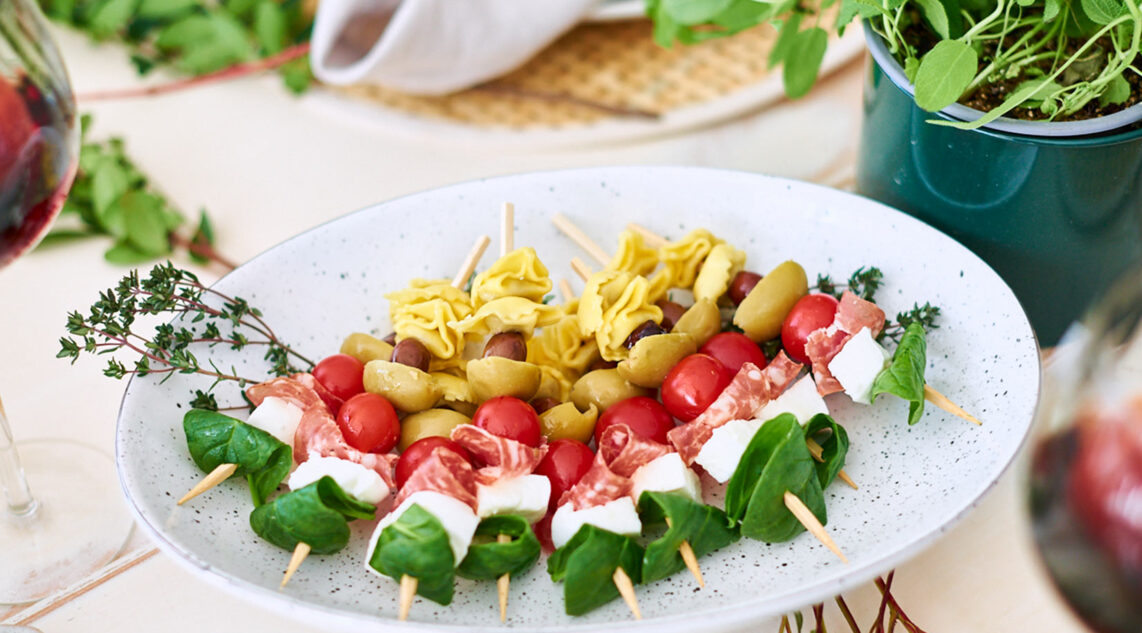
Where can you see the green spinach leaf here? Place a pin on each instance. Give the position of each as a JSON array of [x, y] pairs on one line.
[[904, 376], [834, 443], [706, 529], [215, 439], [488, 559], [587, 563], [417, 545], [316, 515]]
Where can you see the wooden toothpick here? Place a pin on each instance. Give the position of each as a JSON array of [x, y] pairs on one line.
[[653, 239], [507, 229], [940, 400], [688, 557], [407, 593], [295, 561], [566, 291], [815, 450], [626, 590], [581, 268], [473, 258], [220, 474], [503, 583], [809, 520], [579, 237]]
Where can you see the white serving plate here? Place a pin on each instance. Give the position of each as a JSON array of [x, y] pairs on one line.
[[915, 482]]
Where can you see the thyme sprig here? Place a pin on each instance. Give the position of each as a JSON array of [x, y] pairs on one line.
[[926, 315], [209, 318], [864, 282]]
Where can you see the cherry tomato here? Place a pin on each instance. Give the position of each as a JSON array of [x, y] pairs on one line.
[[369, 423], [509, 417], [693, 384], [564, 464], [419, 450], [733, 350], [341, 374], [645, 416], [809, 314]]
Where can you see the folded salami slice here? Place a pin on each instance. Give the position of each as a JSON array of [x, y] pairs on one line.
[[597, 487], [292, 390], [624, 451], [750, 390], [853, 315], [504, 458], [445, 472]]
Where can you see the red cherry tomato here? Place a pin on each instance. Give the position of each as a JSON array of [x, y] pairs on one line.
[[369, 423], [564, 464], [509, 417], [733, 350], [809, 314], [419, 450], [693, 384], [645, 416], [341, 374]]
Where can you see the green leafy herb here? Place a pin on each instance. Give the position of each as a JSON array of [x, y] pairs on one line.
[[417, 545], [317, 515], [834, 443], [924, 315], [208, 318], [776, 461], [587, 563], [215, 439], [904, 376], [706, 529], [488, 559], [863, 282]]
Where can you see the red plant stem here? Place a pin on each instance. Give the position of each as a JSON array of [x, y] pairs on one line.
[[895, 606], [878, 625], [819, 617], [844, 607], [237, 71], [202, 250]]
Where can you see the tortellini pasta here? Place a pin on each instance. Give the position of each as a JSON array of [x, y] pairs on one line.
[[508, 314], [613, 304], [723, 262], [683, 259], [425, 311], [517, 274], [634, 256], [564, 346]]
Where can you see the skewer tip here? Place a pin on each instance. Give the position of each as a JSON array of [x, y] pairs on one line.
[[407, 593], [809, 520], [503, 583], [220, 474], [942, 401], [626, 590], [299, 553]]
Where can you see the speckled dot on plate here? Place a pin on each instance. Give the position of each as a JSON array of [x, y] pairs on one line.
[[915, 482]]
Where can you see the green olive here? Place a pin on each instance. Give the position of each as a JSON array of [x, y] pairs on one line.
[[429, 423], [407, 388], [498, 376], [550, 385], [366, 348], [653, 357], [603, 388], [701, 321], [565, 421], [763, 310]]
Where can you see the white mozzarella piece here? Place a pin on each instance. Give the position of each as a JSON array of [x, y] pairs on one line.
[[722, 452], [526, 496], [667, 474], [455, 516], [363, 484], [801, 399], [858, 364], [618, 516], [277, 417]]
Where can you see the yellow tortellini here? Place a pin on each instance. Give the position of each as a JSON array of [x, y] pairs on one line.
[[425, 310], [684, 258], [509, 314], [563, 346], [613, 304], [660, 282], [723, 262], [634, 256], [517, 274]]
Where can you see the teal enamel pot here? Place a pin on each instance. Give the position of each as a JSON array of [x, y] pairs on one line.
[[1054, 208]]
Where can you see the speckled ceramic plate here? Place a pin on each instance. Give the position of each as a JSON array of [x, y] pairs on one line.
[[915, 482]]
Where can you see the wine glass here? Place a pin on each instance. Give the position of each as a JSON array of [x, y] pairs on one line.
[[63, 517], [1086, 468]]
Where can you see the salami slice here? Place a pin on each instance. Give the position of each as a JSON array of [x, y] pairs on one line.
[[598, 486], [445, 472], [333, 402], [504, 458], [289, 389], [624, 451], [318, 434], [750, 390], [853, 315]]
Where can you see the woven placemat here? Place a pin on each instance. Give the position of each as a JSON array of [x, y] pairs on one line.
[[597, 72]]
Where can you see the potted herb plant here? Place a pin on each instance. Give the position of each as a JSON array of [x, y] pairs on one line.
[[1012, 125]]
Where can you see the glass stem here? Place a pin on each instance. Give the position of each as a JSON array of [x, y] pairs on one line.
[[12, 480]]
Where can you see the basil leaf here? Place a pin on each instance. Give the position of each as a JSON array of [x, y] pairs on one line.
[[587, 563], [776, 461], [803, 61], [215, 439], [108, 183], [317, 515], [417, 545], [834, 443], [270, 26], [490, 559], [904, 376], [706, 529], [945, 73]]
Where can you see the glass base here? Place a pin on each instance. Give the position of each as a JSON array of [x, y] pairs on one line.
[[78, 526]]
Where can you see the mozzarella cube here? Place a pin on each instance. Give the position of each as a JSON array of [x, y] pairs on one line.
[[801, 399], [455, 516], [526, 496], [277, 417], [618, 516], [363, 484], [858, 364], [722, 452], [667, 474]]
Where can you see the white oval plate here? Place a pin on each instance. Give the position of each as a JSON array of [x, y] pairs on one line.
[[915, 482]]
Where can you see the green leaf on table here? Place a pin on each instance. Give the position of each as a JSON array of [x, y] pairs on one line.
[[936, 16], [586, 566], [1103, 11], [270, 26], [1118, 91], [834, 443], [145, 223], [786, 34], [317, 515], [165, 9], [416, 545], [776, 461], [803, 61], [205, 42], [110, 16], [108, 183], [945, 73], [124, 254], [297, 75], [488, 559], [904, 376], [706, 529], [58, 237], [691, 12], [215, 439]]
